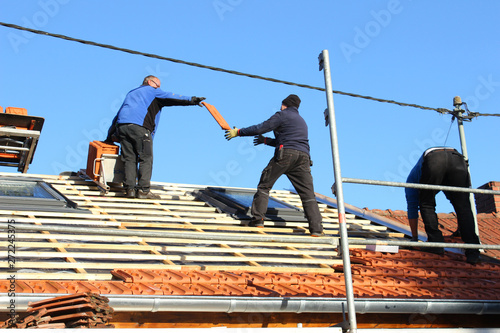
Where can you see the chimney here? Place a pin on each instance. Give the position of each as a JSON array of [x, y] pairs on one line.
[[488, 203]]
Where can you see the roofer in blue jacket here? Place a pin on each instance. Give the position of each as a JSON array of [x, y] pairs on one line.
[[441, 166], [291, 158], [134, 126]]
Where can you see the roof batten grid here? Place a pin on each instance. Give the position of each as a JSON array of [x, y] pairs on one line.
[[291, 252]]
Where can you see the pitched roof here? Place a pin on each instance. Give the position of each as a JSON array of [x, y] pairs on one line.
[[153, 253]]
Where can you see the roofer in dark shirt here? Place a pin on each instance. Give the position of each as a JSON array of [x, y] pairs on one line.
[[441, 166], [291, 158], [134, 127]]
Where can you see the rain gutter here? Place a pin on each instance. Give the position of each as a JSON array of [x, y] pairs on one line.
[[146, 303]]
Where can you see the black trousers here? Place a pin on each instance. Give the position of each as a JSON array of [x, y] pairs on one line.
[[296, 166], [448, 168], [137, 156]]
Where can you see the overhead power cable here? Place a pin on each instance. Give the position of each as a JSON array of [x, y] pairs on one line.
[[189, 63]]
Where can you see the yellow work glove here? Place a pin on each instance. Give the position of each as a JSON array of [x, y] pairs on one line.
[[231, 133]]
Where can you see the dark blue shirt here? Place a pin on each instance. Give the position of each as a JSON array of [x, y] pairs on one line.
[[290, 130]]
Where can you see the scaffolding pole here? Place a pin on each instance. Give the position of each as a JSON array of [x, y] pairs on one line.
[[324, 64], [418, 186]]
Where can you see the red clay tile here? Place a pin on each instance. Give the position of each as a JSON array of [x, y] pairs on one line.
[[258, 278], [75, 287], [311, 290], [284, 278], [382, 281], [203, 277], [140, 288], [309, 278], [333, 279], [333, 291], [425, 282], [204, 289], [287, 290], [362, 280], [122, 275], [112, 287], [46, 287], [230, 277], [174, 289], [171, 276]]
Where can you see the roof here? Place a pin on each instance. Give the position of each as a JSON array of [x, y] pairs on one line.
[[488, 225], [180, 252]]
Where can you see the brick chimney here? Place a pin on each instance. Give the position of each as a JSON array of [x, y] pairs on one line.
[[488, 203]]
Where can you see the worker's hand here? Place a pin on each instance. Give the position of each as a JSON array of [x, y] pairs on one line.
[[231, 133], [258, 139], [197, 100]]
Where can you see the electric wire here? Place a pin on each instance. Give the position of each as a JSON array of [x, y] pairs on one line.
[[254, 76]]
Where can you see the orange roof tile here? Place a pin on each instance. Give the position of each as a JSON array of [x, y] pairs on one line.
[[488, 224]]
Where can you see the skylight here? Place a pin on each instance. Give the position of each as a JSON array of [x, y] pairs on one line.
[[238, 202], [22, 194]]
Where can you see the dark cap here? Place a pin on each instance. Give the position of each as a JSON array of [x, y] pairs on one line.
[[291, 100]]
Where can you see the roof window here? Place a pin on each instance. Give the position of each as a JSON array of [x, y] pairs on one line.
[[238, 202], [22, 194]]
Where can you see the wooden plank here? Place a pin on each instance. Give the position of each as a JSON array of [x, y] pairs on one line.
[[96, 255], [68, 222], [135, 239], [141, 206], [107, 276], [106, 266], [280, 260], [58, 276]]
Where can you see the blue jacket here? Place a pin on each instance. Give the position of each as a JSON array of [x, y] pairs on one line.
[[290, 130], [142, 106]]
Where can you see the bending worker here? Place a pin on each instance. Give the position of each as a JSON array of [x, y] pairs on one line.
[[291, 158], [441, 166], [134, 126]]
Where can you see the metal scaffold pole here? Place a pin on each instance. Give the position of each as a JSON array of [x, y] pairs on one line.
[[324, 64]]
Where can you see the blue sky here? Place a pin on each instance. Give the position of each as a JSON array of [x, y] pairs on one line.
[[421, 52]]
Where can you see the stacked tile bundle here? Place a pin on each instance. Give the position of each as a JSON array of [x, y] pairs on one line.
[[82, 310]]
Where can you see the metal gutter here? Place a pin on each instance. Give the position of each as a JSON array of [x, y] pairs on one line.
[[143, 303]]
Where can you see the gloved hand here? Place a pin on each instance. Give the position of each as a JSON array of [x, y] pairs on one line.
[[197, 100], [258, 139], [231, 133]]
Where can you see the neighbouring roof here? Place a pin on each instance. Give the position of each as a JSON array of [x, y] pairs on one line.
[[488, 225], [151, 254]]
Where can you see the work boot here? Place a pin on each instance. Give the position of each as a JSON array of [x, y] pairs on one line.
[[472, 257], [256, 223], [317, 234], [130, 193], [147, 195]]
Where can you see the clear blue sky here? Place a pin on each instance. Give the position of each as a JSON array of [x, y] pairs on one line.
[[422, 52]]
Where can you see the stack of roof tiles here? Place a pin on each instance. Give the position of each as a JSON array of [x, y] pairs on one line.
[[83, 310]]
